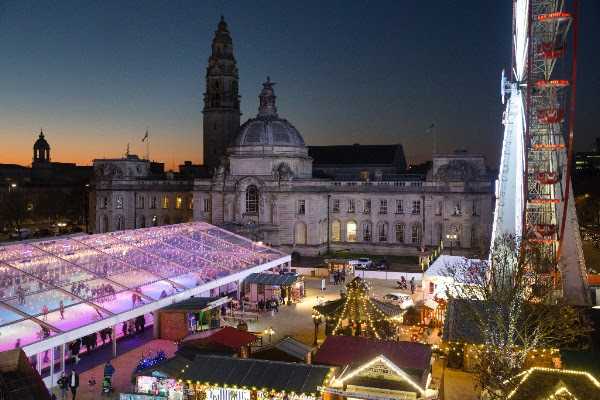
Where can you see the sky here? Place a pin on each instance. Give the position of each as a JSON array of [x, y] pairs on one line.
[[96, 74]]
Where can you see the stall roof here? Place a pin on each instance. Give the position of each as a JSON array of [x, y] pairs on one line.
[[292, 348], [221, 370], [102, 278], [227, 336], [272, 279], [353, 350], [191, 304]]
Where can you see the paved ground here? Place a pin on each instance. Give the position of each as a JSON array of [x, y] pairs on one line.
[[294, 320]]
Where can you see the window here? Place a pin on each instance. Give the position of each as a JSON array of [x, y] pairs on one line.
[[335, 206], [165, 201], [400, 233], [252, 200], [382, 231], [300, 234], [179, 202], [153, 202], [206, 205], [416, 207], [416, 234], [439, 207], [351, 231], [475, 212], [382, 206], [399, 207], [105, 228], [366, 231], [457, 211], [191, 203], [119, 202], [351, 206], [139, 201], [336, 231], [366, 206], [301, 207], [474, 238], [104, 202]]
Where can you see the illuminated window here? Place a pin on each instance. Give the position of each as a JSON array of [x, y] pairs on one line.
[[351, 231], [179, 202], [400, 233], [336, 231], [191, 203], [119, 202], [165, 201]]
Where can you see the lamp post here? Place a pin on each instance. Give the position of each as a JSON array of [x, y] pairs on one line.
[[269, 331], [451, 237], [317, 321]]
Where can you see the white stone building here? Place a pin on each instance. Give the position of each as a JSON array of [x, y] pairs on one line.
[[271, 187]]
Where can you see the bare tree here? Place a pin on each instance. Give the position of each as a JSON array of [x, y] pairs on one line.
[[513, 306]]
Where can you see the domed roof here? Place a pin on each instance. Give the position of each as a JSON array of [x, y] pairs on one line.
[[267, 129], [41, 143]]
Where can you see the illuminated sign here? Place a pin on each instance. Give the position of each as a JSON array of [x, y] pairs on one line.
[[227, 394]]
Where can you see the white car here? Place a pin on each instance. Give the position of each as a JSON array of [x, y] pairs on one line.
[[402, 299], [361, 263]]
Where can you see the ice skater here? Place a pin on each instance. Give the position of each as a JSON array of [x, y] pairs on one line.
[[62, 310], [45, 313]]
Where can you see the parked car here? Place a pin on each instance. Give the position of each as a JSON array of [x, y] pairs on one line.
[[361, 263], [22, 233], [402, 299]]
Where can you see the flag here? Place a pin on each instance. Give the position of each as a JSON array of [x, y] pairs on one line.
[[145, 136]]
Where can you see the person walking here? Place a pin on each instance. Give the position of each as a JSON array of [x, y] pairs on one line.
[[63, 385], [412, 285], [73, 383]]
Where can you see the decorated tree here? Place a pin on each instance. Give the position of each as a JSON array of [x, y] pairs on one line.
[[515, 311]]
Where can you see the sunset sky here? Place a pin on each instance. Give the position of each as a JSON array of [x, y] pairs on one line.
[[95, 74]]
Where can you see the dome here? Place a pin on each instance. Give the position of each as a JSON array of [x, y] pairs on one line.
[[267, 129], [41, 143]]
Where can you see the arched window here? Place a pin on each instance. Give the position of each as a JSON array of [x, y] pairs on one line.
[[400, 232], [416, 234], [336, 231], [120, 223], [351, 231], [251, 200], [382, 232], [367, 231], [300, 233]]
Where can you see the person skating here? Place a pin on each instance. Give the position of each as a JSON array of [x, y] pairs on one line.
[[62, 310]]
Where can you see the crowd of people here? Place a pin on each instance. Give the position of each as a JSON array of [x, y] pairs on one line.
[[102, 293]]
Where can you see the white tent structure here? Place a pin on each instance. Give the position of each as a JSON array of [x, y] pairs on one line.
[[55, 291], [446, 272]]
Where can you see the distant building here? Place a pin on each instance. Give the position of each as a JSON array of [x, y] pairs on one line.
[[261, 180]]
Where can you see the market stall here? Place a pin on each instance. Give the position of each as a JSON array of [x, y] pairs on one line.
[[264, 287]]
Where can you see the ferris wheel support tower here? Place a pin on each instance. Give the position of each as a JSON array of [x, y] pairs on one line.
[[534, 197]]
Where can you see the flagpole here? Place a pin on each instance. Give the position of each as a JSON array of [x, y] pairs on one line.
[[148, 144]]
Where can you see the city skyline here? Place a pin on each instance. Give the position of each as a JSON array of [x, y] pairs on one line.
[[138, 66]]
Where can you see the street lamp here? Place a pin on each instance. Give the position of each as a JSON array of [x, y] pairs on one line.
[[269, 331], [451, 237]]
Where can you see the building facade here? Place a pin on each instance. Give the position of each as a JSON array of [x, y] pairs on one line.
[[267, 184]]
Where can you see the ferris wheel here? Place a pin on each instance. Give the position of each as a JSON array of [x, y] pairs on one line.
[[534, 200]]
